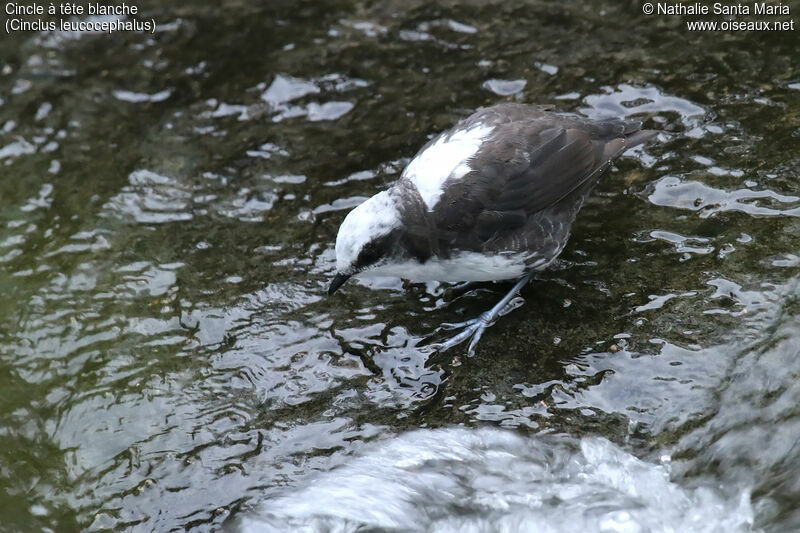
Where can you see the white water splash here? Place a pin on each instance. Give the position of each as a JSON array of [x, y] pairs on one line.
[[493, 480]]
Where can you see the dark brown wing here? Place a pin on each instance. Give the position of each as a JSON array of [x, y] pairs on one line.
[[534, 164]]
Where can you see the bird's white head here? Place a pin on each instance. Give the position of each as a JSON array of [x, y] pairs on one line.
[[364, 237]]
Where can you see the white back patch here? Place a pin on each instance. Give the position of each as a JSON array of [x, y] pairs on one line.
[[444, 159], [375, 217]]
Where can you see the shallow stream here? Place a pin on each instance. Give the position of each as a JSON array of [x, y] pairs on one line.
[[169, 359]]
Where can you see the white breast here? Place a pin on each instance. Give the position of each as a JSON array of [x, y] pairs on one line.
[[446, 158], [465, 266]]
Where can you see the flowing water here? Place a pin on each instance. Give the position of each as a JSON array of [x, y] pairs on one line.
[[169, 360]]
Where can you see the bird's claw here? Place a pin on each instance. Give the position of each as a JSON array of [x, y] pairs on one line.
[[454, 291], [473, 329], [456, 325], [518, 301]]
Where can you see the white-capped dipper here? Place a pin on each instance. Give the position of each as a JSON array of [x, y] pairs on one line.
[[491, 199]]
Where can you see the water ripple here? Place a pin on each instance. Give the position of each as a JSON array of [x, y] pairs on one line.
[[151, 198], [627, 100], [671, 191]]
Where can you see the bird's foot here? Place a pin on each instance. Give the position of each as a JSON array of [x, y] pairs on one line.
[[463, 286], [474, 327], [454, 291]]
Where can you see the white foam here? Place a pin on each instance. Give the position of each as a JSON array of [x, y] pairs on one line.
[[494, 480]]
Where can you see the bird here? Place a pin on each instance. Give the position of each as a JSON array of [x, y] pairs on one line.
[[493, 198]]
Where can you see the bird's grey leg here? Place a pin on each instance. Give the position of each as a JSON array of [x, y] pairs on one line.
[[474, 328], [462, 286], [458, 289]]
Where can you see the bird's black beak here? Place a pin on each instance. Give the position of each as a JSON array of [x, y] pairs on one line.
[[338, 281]]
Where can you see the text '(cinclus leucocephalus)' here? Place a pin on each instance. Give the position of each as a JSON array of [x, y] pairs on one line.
[[491, 199]]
